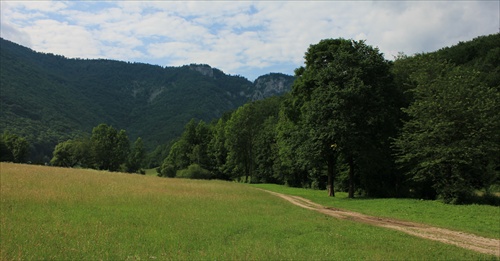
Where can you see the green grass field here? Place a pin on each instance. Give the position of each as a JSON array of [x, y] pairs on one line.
[[482, 220], [151, 172], [67, 214]]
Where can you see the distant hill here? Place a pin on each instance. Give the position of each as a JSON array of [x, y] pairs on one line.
[[49, 98]]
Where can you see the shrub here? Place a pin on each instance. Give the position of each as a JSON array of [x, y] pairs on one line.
[[166, 170], [194, 171]]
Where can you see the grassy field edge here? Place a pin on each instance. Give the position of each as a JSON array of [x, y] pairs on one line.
[[482, 220]]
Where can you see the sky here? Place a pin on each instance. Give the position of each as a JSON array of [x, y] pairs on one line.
[[247, 38]]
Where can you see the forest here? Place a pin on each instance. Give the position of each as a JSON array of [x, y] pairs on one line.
[[423, 126], [48, 99]]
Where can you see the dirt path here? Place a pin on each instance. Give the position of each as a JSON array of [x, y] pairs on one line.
[[461, 239]]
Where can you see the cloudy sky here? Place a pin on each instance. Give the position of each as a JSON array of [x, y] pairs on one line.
[[248, 38]]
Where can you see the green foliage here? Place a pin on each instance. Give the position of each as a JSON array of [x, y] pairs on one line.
[[194, 171], [353, 116], [245, 134], [110, 147], [482, 54], [294, 146], [451, 137], [190, 149], [106, 149], [225, 148], [267, 163], [344, 98], [65, 154], [200, 149], [240, 135], [48, 98], [75, 152], [136, 157], [335, 128], [166, 170], [178, 157], [217, 150], [13, 148]]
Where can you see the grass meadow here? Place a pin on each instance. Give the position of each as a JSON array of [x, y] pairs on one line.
[[52, 213], [482, 220], [151, 172]]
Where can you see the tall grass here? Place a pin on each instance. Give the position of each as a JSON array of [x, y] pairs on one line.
[[68, 214]]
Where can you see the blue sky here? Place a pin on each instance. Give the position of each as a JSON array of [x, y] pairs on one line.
[[248, 38]]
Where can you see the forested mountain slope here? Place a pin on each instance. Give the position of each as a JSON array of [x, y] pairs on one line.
[[481, 54], [49, 98]]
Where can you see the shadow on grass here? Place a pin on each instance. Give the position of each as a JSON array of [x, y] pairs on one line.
[[479, 198], [492, 199]]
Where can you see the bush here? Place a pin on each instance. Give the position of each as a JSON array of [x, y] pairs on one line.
[[166, 170], [194, 171]]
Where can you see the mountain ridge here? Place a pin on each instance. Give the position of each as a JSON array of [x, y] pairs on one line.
[[49, 98]]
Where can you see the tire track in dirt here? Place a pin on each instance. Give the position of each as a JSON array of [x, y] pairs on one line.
[[465, 240]]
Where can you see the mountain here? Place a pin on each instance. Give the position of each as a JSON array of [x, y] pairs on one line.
[[270, 85], [49, 98]]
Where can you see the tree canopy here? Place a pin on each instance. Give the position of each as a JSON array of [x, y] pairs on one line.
[[344, 92], [13, 148], [452, 137], [423, 126], [106, 149]]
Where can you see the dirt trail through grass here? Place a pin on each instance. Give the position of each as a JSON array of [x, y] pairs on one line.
[[461, 239]]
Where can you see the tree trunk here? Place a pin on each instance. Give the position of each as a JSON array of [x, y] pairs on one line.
[[351, 177], [331, 176], [246, 174], [247, 170]]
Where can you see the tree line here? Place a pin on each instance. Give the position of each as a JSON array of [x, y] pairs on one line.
[[421, 126], [106, 149]]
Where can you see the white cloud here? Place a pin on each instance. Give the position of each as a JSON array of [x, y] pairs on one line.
[[11, 33], [175, 50], [62, 38], [41, 6], [239, 36], [415, 27], [86, 18]]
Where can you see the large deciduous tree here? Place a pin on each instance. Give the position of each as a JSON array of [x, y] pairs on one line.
[[74, 152], [110, 147], [343, 93], [249, 139], [452, 137], [217, 150], [297, 155], [13, 148], [65, 154], [191, 148], [137, 157], [241, 133]]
